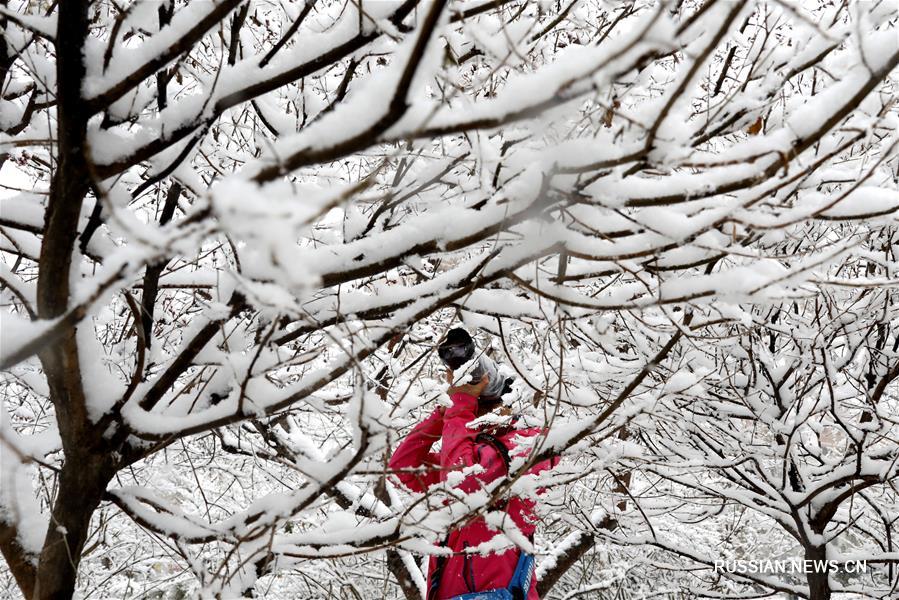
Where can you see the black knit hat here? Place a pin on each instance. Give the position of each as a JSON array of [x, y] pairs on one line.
[[456, 349]]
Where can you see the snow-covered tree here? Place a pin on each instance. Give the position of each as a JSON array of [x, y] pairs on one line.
[[790, 425], [233, 231]]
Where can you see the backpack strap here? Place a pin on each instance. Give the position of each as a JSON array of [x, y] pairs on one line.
[[491, 440], [520, 584], [493, 437], [498, 445], [439, 565]]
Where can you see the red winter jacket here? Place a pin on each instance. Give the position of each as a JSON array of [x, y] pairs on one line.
[[465, 572]]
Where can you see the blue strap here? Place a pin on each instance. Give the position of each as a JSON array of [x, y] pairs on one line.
[[520, 584]]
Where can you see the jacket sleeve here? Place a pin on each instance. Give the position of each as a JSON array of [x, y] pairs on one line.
[[460, 449], [414, 453]]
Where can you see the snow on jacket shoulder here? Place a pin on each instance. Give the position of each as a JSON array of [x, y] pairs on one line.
[[417, 467]]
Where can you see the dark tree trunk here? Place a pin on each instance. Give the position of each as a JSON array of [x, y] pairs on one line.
[[88, 465], [71, 178], [818, 582], [81, 487], [570, 558], [17, 558]]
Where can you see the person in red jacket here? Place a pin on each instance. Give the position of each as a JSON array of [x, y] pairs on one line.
[[418, 467]]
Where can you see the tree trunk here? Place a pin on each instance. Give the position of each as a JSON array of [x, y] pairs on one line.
[[71, 178], [818, 582], [88, 465], [81, 487], [571, 556], [17, 558]]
